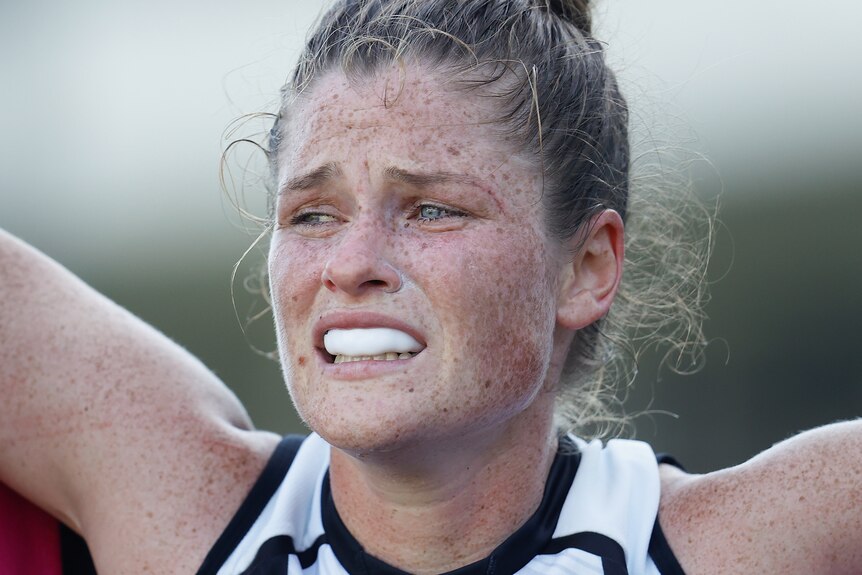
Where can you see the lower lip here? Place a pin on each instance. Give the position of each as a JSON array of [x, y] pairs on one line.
[[364, 369]]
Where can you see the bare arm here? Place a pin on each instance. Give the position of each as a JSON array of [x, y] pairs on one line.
[[795, 508], [112, 427]]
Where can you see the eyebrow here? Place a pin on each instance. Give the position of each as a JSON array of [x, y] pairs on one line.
[[425, 179], [329, 171], [313, 179]]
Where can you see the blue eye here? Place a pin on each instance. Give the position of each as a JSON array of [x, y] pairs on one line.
[[430, 212]]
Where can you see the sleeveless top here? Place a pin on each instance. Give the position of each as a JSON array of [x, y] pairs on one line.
[[598, 516]]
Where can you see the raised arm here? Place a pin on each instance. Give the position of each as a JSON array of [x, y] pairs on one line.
[[110, 426], [794, 509]]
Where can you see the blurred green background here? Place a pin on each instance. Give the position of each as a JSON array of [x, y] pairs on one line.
[[113, 115]]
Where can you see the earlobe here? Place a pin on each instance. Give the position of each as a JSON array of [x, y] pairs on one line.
[[591, 278]]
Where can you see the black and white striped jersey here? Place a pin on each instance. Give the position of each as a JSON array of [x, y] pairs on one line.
[[597, 517]]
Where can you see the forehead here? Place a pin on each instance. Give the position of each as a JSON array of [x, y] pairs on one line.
[[402, 116]]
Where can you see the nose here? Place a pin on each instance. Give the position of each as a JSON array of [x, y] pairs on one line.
[[357, 265]]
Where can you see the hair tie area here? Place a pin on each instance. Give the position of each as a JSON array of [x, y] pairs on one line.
[[576, 12]]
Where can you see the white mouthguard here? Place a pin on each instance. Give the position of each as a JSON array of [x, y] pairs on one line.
[[369, 341]]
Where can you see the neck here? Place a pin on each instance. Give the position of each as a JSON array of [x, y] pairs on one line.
[[434, 508]]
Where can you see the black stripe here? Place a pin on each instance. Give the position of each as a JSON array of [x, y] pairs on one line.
[[661, 553], [669, 460], [272, 557], [612, 554], [251, 508], [659, 549], [74, 553]]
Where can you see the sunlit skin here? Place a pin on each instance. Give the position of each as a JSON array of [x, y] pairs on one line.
[[412, 212]]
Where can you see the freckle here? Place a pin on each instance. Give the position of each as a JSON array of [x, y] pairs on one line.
[[487, 383], [301, 360], [445, 410], [453, 150], [294, 298], [410, 390]]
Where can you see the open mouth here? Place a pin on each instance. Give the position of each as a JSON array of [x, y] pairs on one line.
[[369, 344]]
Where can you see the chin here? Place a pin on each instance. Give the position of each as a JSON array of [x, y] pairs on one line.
[[360, 442], [372, 434], [364, 432]]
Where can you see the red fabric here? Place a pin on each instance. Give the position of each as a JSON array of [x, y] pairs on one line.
[[29, 538]]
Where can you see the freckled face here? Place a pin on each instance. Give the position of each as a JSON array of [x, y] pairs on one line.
[[409, 212]]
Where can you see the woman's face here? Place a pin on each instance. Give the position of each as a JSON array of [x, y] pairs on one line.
[[398, 207]]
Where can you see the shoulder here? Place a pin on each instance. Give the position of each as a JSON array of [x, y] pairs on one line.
[[795, 508]]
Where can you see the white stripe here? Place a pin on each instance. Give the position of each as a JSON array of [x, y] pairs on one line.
[[567, 562], [616, 494]]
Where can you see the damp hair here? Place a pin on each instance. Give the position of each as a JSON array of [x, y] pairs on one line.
[[558, 102]]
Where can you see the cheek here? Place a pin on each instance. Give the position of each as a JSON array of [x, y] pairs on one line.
[[294, 277], [503, 276], [294, 274], [500, 309]]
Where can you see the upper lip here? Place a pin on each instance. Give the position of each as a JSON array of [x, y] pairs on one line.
[[360, 319]]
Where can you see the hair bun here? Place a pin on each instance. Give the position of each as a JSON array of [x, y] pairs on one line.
[[575, 11]]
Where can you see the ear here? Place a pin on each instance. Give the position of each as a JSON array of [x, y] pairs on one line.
[[591, 278]]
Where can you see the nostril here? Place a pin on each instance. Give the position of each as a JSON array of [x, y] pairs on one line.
[[359, 273]]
